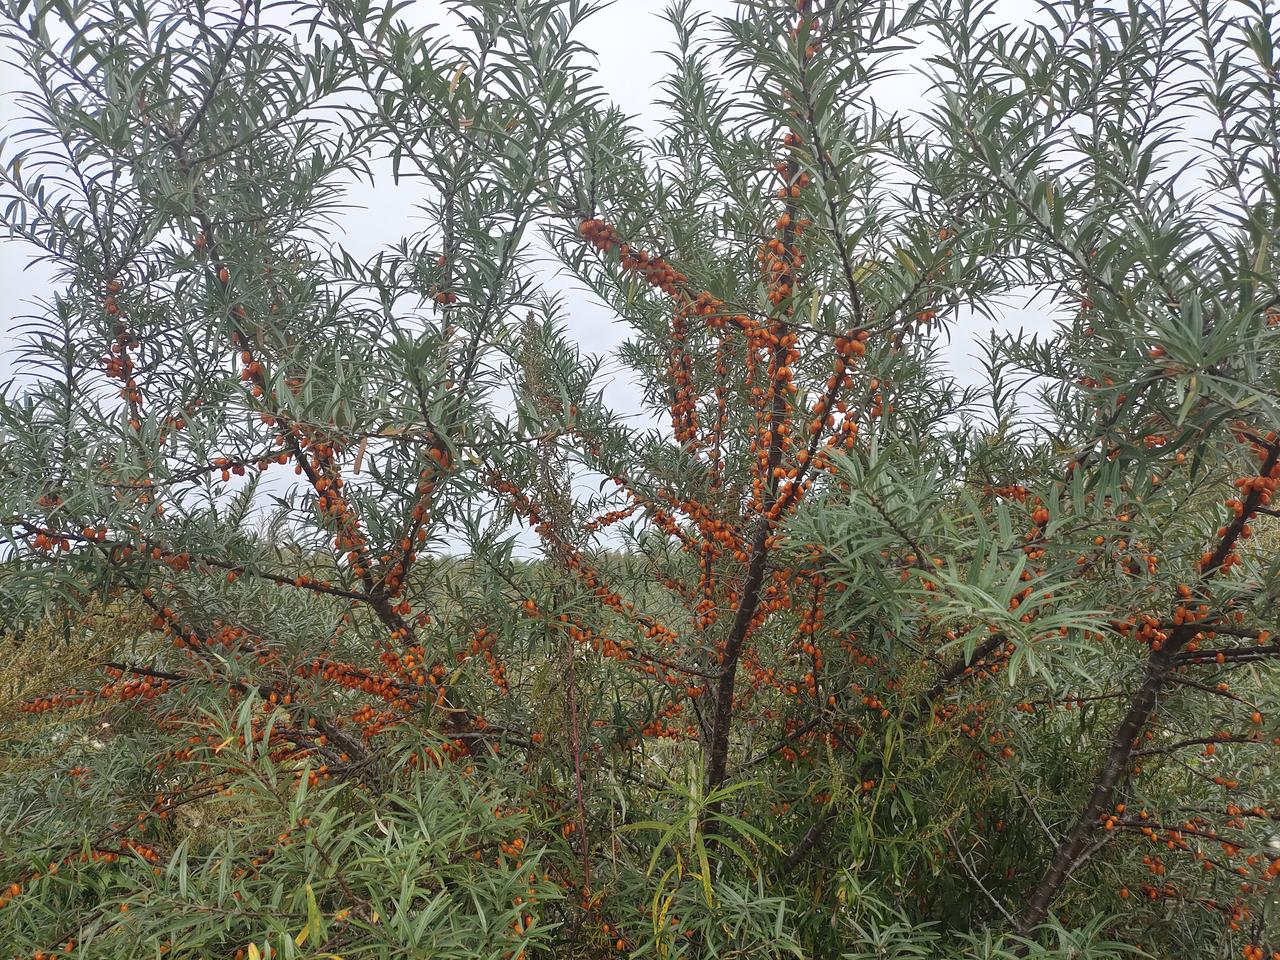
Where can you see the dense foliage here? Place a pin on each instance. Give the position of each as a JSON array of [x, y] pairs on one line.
[[350, 617]]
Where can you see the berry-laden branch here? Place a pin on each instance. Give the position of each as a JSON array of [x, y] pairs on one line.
[[778, 470], [1161, 662]]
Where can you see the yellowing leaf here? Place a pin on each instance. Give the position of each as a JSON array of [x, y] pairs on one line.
[[253, 952], [315, 923]]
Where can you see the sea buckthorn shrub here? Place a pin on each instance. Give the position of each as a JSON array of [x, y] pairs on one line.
[[356, 614]]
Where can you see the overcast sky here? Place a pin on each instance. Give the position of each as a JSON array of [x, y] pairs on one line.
[[628, 38]]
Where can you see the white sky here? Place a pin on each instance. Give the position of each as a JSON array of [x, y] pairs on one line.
[[628, 38]]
